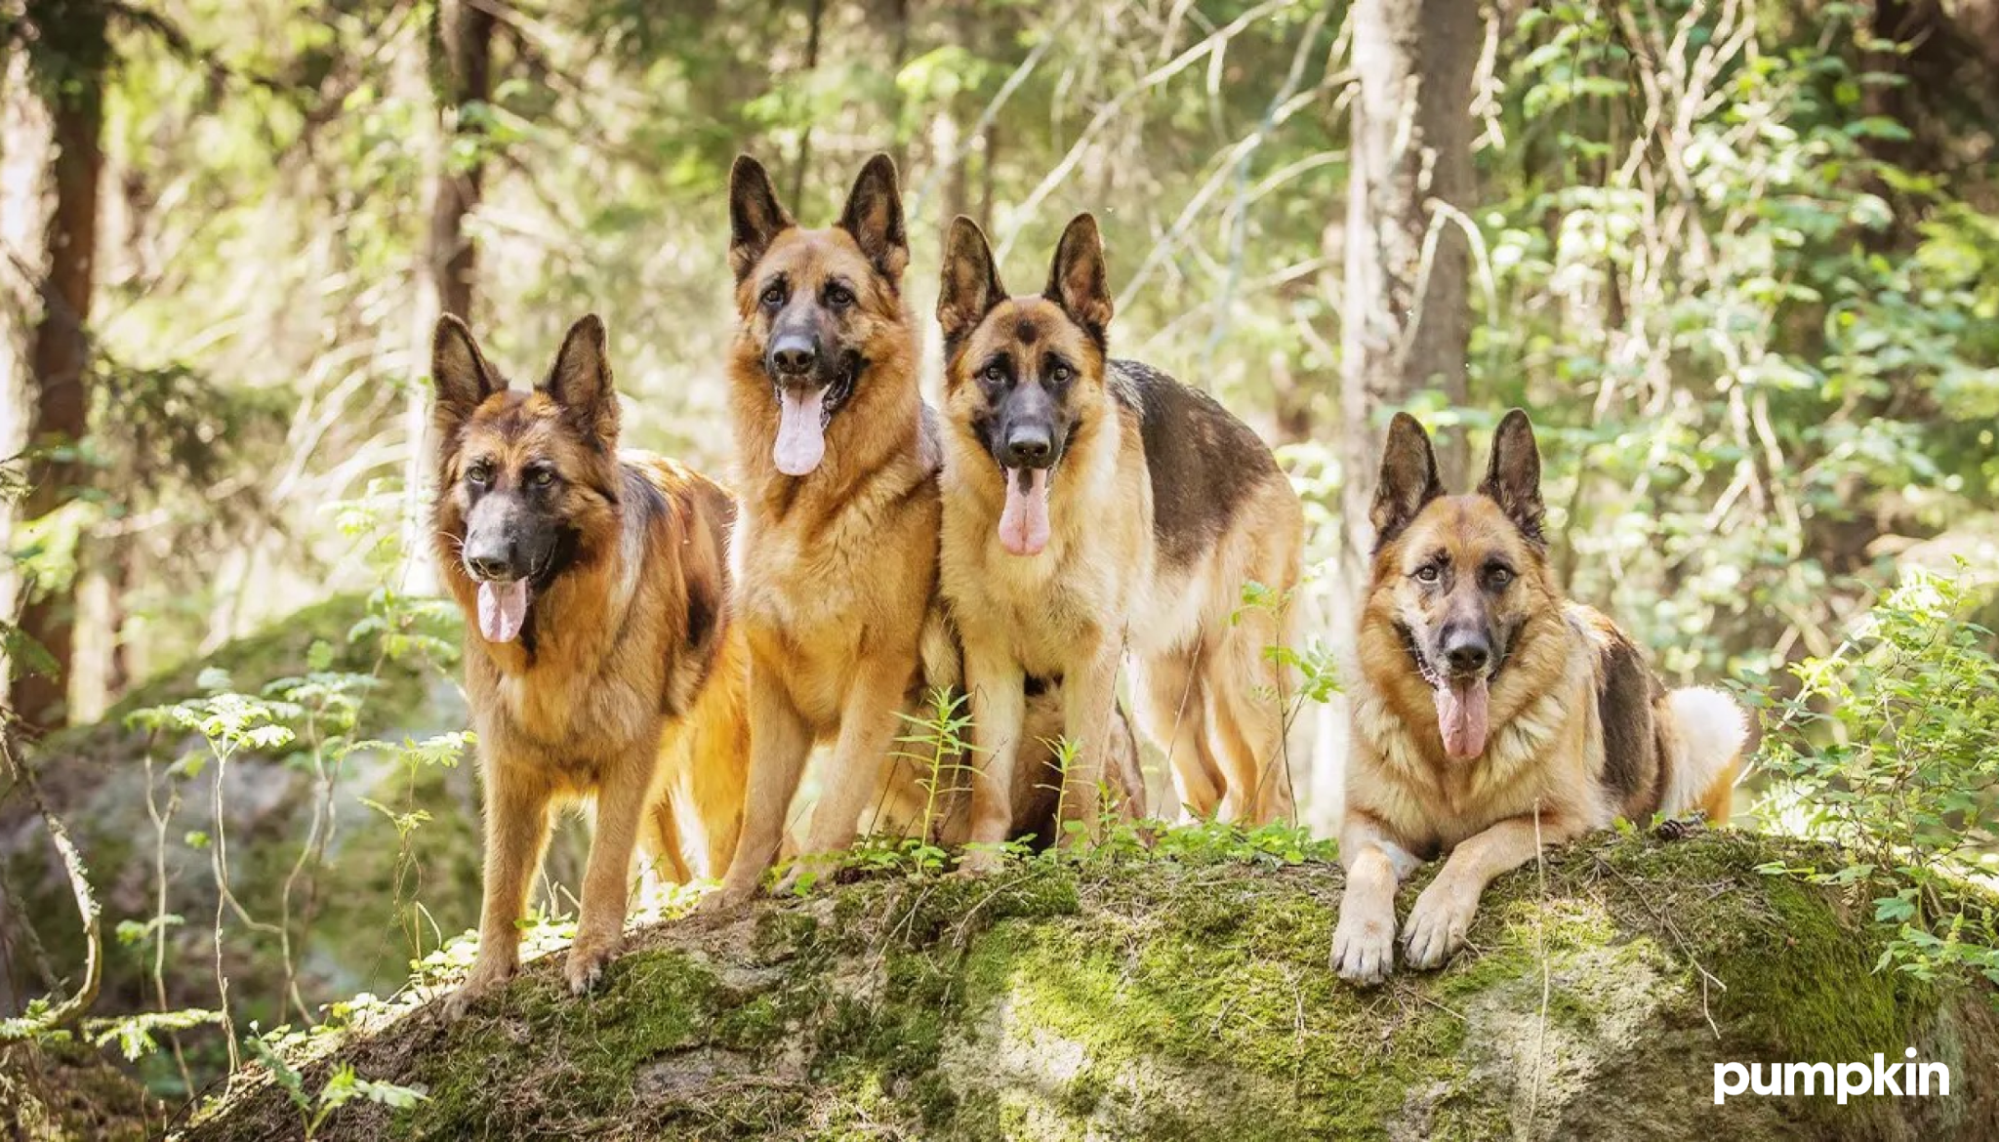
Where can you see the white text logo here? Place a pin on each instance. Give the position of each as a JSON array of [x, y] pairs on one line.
[[1842, 1081]]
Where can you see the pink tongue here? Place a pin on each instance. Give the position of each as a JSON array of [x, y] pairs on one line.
[[1023, 528], [503, 607], [1461, 717], [801, 440]]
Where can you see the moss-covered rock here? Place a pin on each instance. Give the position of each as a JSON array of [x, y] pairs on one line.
[[1169, 999], [350, 922]]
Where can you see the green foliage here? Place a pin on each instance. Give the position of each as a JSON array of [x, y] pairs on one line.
[[340, 1088], [1891, 746], [1737, 362], [134, 1034]]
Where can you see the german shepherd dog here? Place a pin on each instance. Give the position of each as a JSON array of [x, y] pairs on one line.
[[600, 659], [1094, 506], [836, 547], [1492, 717]]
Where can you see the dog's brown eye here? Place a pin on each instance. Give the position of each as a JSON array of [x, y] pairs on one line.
[[839, 297], [993, 375], [480, 474], [541, 477], [1060, 374], [1499, 577], [1429, 573], [773, 297]]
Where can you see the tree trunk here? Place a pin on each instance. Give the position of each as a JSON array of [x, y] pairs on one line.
[[468, 64], [1407, 326], [73, 49], [815, 17], [25, 143], [447, 267]]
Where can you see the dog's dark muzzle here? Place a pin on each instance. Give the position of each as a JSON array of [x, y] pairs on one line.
[[1029, 433]]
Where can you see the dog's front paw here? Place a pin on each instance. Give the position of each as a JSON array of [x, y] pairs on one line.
[[1364, 946], [488, 974], [1436, 926], [725, 898], [585, 968], [806, 874], [980, 860]]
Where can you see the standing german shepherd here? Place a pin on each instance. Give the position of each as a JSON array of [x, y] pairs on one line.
[[600, 660], [1092, 505], [1491, 717], [836, 549]]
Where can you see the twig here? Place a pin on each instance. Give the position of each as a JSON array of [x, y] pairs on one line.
[[1111, 109], [1541, 950], [72, 1009]]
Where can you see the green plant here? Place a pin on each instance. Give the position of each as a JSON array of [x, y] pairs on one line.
[[227, 722], [1891, 747], [341, 1087], [937, 745]]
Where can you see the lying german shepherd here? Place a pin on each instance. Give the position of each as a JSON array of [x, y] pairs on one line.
[[836, 548], [1491, 717], [600, 659], [1093, 506]]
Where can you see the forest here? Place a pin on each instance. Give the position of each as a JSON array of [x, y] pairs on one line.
[[1738, 259]]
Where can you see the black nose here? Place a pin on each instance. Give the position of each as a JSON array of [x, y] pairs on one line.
[[1028, 446], [1468, 656], [793, 355]]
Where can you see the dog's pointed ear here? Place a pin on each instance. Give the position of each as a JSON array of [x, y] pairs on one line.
[[971, 283], [755, 215], [874, 217], [460, 374], [1408, 479], [1077, 280], [1513, 476], [581, 384]]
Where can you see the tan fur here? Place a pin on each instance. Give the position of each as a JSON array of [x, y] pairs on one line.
[[1101, 589], [835, 569], [1542, 778], [617, 700]]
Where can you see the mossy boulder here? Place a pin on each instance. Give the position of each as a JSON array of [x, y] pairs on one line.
[[348, 911], [1190, 999]]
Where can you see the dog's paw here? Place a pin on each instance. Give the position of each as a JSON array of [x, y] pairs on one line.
[[806, 874], [1364, 947], [980, 861], [487, 975], [1437, 924], [725, 899], [585, 968]]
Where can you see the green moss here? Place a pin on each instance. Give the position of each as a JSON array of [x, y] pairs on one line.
[[653, 1003], [1214, 1013], [1176, 1001]]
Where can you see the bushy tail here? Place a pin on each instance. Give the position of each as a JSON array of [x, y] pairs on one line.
[[1710, 730]]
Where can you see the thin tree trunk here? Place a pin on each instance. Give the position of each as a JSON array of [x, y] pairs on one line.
[[470, 65], [447, 268], [26, 139], [816, 15], [1406, 330], [1407, 327], [73, 39]]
